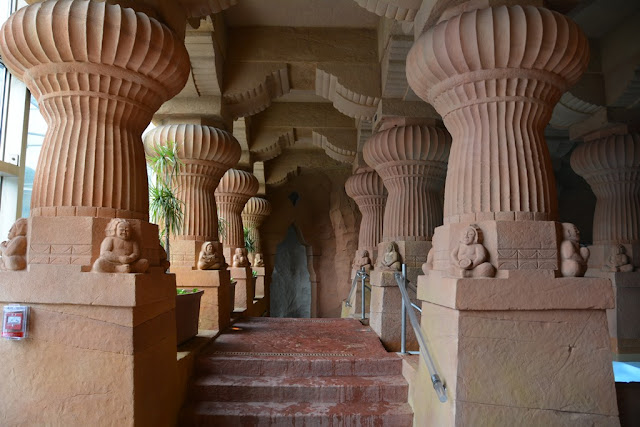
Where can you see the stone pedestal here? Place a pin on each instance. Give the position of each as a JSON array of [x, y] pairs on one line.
[[215, 305], [517, 351], [96, 340], [245, 288], [261, 291]]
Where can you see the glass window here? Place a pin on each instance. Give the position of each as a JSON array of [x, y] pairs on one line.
[[35, 136]]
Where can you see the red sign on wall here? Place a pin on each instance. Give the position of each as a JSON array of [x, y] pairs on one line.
[[14, 322]]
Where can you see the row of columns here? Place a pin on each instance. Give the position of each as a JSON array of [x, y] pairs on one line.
[[97, 91], [497, 255]]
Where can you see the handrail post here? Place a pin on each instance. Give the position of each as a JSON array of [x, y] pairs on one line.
[[363, 275], [403, 336]]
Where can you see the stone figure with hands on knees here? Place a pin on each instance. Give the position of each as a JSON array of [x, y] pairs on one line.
[[119, 251], [209, 258], [470, 257], [13, 252], [574, 258]]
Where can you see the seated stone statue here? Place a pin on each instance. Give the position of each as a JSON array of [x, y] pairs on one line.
[[13, 252], [209, 258], [391, 258], [258, 261], [574, 258], [362, 260], [120, 251], [469, 258], [428, 266], [240, 258], [618, 260]]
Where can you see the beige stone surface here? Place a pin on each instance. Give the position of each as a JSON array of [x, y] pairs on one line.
[[215, 304], [244, 289]]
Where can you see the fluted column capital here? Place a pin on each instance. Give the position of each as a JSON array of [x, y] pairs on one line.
[[370, 194], [235, 189], [98, 81], [214, 148], [495, 75], [611, 166], [257, 207], [364, 185], [507, 43], [412, 162]]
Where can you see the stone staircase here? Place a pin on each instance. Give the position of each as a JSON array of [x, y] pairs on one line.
[[338, 388]]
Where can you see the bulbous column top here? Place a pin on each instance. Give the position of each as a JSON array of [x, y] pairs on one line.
[[407, 144], [238, 182], [98, 34], [365, 184], [196, 143], [257, 206], [603, 156], [497, 42]]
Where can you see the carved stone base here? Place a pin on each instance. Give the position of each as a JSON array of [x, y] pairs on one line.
[[624, 318], [96, 340], [517, 351], [260, 282], [215, 305], [245, 289], [385, 310]]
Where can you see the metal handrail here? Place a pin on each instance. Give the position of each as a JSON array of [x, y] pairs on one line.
[[438, 385], [363, 276]]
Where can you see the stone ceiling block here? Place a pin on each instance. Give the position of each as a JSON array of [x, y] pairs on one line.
[[334, 151], [400, 10]]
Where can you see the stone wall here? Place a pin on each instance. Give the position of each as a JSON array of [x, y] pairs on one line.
[[328, 221]]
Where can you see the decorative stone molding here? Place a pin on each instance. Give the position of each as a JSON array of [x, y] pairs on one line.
[[97, 91], [394, 73], [369, 193], [202, 8], [253, 215], [206, 153], [259, 97], [611, 166], [273, 150], [281, 179], [412, 161], [336, 153], [496, 94], [631, 95], [399, 10], [346, 101], [233, 192]]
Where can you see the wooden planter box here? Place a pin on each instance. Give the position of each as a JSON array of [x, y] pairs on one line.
[[187, 315]]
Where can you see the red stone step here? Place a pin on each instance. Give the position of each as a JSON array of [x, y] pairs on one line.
[[252, 414], [224, 388], [299, 366]]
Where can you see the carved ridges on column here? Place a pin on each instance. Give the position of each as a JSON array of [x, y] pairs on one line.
[[206, 153], [412, 162], [234, 190], [98, 81], [370, 195], [253, 215], [611, 166], [495, 75], [501, 44], [400, 10], [64, 32]]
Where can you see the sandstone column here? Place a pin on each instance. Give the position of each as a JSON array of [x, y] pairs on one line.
[[98, 339], [495, 74], [367, 190], [235, 189], [253, 215], [611, 166], [411, 159], [365, 187], [206, 154]]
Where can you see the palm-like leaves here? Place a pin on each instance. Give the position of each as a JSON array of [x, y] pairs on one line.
[[164, 206]]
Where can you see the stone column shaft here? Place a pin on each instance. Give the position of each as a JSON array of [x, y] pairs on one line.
[[253, 215], [412, 162], [369, 193], [611, 166], [97, 91], [233, 192], [206, 154]]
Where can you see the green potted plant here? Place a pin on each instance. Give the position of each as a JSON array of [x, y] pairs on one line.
[[187, 313], [164, 206]]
